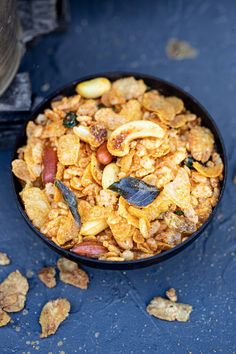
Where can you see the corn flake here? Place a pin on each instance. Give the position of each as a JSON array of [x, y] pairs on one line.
[[68, 149], [36, 205], [201, 143], [4, 259], [121, 231], [71, 274], [4, 318], [168, 310], [20, 170], [110, 119], [152, 101], [47, 277], [53, 314], [13, 291], [129, 87], [214, 171]]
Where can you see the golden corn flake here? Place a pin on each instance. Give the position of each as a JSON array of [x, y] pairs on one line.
[[214, 171], [68, 230], [96, 170], [68, 149], [13, 291], [53, 314], [110, 119], [33, 130], [67, 103], [129, 87], [178, 191], [4, 259], [154, 102], [201, 143], [179, 223], [34, 168], [20, 170], [123, 211], [36, 205], [131, 110], [178, 121], [71, 274], [88, 108], [47, 276], [4, 318], [121, 231], [177, 103], [168, 310]]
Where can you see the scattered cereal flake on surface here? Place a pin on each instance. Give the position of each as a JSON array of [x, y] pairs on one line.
[[171, 295], [168, 310], [47, 276], [13, 292], [53, 314], [178, 50], [4, 318], [71, 274], [4, 260]]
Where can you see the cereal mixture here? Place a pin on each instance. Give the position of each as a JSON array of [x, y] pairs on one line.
[[118, 171]]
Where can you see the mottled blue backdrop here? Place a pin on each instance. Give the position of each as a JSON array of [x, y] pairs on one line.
[[110, 317]]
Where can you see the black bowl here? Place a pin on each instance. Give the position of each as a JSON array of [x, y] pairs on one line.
[[165, 88]]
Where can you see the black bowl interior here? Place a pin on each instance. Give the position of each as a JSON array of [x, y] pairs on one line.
[[165, 88]]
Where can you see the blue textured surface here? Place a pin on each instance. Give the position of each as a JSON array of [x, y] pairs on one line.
[[110, 316]]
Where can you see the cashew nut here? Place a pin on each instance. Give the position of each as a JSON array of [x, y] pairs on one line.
[[119, 140], [95, 135], [93, 227], [110, 175], [93, 88]]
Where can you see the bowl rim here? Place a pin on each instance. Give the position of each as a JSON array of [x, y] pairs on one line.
[[115, 265]]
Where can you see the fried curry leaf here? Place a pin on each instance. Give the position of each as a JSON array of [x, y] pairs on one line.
[[70, 120], [179, 212], [70, 199], [189, 162], [135, 191]]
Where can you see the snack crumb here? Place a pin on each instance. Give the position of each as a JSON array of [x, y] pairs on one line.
[[4, 259], [47, 277], [71, 274], [53, 314], [29, 274], [178, 50], [97, 334], [171, 294], [168, 310], [60, 343]]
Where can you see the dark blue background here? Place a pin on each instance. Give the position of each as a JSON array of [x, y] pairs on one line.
[[110, 316]]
